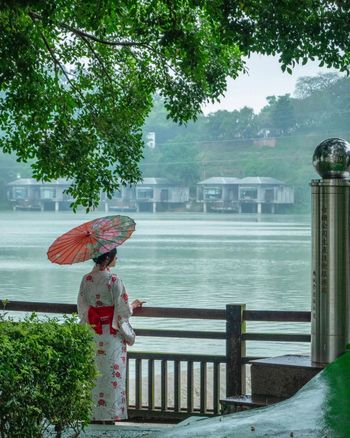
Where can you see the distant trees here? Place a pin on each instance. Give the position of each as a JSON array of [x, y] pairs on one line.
[[180, 163], [278, 117], [307, 86], [323, 104], [225, 125]]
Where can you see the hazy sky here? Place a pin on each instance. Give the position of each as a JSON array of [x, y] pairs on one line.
[[265, 78]]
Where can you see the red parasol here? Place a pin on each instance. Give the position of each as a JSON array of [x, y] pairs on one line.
[[91, 239]]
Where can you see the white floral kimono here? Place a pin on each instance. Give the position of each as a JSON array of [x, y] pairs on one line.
[[103, 302]]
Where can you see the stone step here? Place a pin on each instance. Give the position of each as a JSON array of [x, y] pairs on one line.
[[241, 402]]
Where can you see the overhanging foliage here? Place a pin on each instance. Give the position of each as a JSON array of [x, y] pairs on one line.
[[77, 78]]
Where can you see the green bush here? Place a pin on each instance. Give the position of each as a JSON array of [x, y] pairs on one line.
[[47, 373]]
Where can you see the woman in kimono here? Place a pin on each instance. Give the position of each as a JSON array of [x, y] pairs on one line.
[[103, 303]]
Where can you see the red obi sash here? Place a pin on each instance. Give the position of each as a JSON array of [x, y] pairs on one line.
[[97, 316]]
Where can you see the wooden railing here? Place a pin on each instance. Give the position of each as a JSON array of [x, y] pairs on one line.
[[234, 361]]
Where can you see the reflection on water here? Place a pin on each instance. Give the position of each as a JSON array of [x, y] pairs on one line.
[[178, 260]]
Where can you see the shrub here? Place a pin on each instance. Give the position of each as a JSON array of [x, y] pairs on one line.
[[47, 373]]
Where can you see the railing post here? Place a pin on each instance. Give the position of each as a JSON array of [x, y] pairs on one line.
[[235, 349]]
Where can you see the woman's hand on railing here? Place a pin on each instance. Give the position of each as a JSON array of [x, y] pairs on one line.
[[137, 303]]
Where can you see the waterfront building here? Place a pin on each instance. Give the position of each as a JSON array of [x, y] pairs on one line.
[[245, 195], [30, 194], [159, 194], [264, 195], [122, 200], [219, 194], [152, 194]]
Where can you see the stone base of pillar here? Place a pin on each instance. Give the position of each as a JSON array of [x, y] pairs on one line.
[[282, 376]]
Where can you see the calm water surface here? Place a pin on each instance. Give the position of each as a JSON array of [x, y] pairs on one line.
[[177, 260]]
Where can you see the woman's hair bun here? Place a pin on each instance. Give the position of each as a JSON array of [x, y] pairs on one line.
[[100, 260]]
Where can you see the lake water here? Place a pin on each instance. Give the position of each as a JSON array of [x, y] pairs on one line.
[[176, 260]]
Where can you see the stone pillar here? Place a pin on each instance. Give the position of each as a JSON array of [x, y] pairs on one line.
[[204, 207], [273, 208], [106, 207], [258, 208], [330, 316], [154, 207]]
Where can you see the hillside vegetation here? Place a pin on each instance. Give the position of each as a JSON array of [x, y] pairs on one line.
[[278, 142]]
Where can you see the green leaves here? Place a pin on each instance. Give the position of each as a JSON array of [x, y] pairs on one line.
[[46, 376], [78, 82]]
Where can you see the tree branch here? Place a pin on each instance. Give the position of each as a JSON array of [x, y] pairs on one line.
[[87, 36], [57, 62], [90, 36], [96, 55]]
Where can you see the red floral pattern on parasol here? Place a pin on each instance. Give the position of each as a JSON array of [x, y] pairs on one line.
[[91, 239]]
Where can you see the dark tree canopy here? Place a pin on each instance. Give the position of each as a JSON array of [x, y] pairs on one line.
[[77, 78], [309, 85]]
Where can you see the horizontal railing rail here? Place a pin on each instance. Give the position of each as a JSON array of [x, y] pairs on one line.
[[37, 306], [277, 315], [185, 357], [276, 337], [189, 370], [168, 312], [160, 333]]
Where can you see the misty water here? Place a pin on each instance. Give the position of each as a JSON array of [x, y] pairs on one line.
[[176, 260]]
